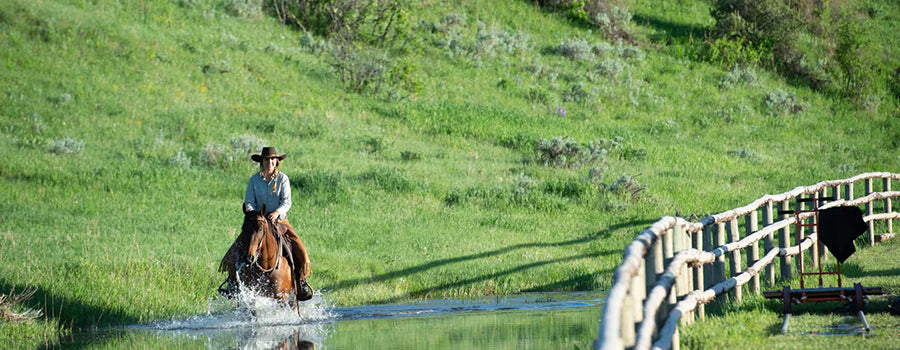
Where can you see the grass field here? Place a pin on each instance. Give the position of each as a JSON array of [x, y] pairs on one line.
[[124, 130]]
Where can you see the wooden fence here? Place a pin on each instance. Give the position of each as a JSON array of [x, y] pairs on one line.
[[673, 268]]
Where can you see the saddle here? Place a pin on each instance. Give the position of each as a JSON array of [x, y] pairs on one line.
[[301, 288]]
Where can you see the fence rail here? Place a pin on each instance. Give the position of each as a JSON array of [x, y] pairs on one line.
[[673, 268]]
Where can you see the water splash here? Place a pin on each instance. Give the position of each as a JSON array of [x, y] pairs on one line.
[[253, 321]]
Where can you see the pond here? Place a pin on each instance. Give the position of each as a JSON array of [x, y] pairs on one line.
[[522, 321]]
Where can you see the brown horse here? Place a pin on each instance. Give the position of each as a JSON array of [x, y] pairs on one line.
[[257, 258]]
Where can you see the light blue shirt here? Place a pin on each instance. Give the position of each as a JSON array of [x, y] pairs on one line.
[[275, 194]]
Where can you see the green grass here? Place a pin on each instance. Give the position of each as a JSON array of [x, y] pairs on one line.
[[122, 230]]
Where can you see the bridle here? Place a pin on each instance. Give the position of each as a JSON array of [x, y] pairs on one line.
[[269, 230]]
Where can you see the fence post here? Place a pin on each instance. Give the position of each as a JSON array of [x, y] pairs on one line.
[[848, 191], [719, 265], [887, 205], [734, 235], [708, 271], [669, 252], [752, 225], [869, 212], [800, 234], [769, 242], [655, 266], [785, 242], [639, 292], [682, 283], [823, 253], [628, 333], [836, 192], [650, 273], [817, 248], [699, 270]]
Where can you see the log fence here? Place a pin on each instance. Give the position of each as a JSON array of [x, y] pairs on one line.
[[673, 268]]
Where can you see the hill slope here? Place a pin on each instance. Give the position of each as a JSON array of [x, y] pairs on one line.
[[124, 131]]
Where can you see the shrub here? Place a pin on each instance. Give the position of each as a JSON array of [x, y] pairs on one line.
[[65, 145], [595, 175], [181, 160], [732, 52], [850, 53], [627, 186], [247, 144], [612, 19], [780, 102], [382, 23], [604, 49], [631, 52], [538, 94], [610, 67], [578, 94], [214, 154], [359, 69], [244, 8], [561, 4], [575, 49], [737, 76], [408, 156], [566, 152], [744, 153], [523, 185], [451, 22], [659, 127], [765, 23], [309, 42]]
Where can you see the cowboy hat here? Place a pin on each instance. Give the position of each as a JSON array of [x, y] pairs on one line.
[[268, 152]]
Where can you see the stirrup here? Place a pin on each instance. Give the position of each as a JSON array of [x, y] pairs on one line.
[[304, 291]]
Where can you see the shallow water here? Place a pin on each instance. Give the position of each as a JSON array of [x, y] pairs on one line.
[[523, 321]]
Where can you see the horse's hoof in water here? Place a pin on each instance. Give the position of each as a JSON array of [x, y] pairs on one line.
[[228, 291], [304, 291]]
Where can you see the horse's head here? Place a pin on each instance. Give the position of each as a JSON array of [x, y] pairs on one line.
[[257, 228]]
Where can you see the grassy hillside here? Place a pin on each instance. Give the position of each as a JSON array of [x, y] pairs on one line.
[[124, 130]]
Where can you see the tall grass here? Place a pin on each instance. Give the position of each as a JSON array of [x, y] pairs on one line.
[[125, 128]]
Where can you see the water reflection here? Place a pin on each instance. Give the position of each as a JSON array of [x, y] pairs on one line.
[[530, 321]]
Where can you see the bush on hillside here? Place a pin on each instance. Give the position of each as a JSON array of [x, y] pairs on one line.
[[611, 16], [859, 73], [564, 152], [381, 23], [780, 102], [819, 43], [738, 76], [627, 186], [65, 145], [244, 8], [575, 49], [360, 69]]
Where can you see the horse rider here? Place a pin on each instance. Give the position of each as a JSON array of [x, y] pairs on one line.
[[271, 189]]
